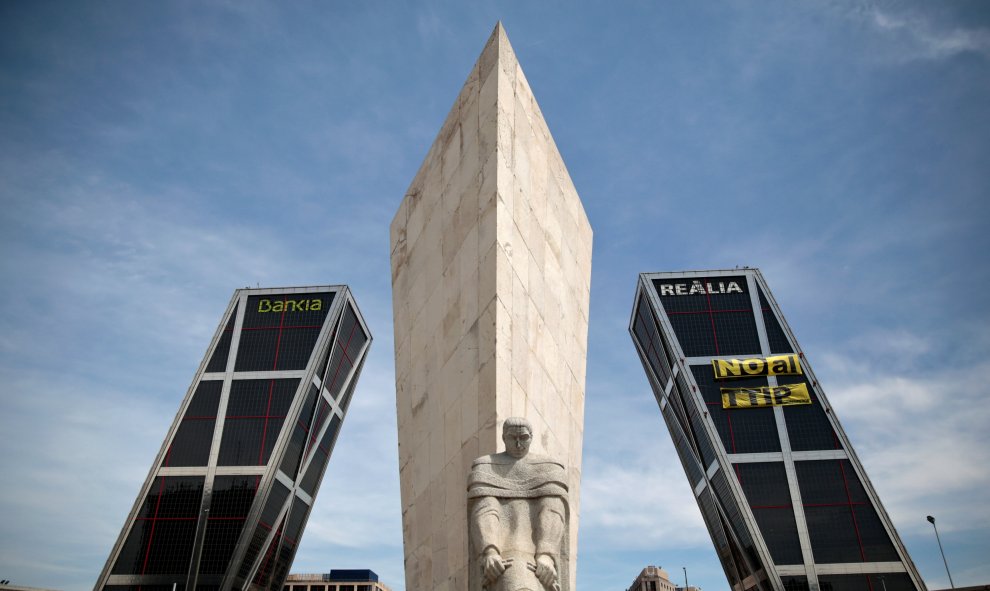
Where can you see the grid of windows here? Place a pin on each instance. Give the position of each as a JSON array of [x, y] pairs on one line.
[[218, 361], [775, 334], [256, 410], [842, 523], [322, 454], [293, 453], [645, 332], [290, 541], [350, 339], [192, 441]]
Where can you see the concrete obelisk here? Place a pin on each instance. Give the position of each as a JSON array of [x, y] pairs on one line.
[[491, 273]]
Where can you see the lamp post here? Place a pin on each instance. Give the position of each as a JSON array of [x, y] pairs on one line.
[[685, 578], [931, 520]]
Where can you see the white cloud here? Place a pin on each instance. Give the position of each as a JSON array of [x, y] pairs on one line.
[[922, 38], [921, 437]]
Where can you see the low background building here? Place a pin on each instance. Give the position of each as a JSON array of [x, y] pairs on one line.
[[655, 578], [336, 580]]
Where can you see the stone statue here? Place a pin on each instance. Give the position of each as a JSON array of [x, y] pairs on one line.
[[518, 515]]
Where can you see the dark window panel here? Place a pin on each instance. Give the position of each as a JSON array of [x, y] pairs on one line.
[[218, 361], [749, 430], [779, 530], [263, 576], [710, 515], [256, 351], [689, 461], [877, 546], [775, 334], [345, 399], [229, 507], [296, 348], [764, 483], [871, 582], [723, 495], [648, 336], [843, 514], [268, 516], [833, 534], [829, 482], [322, 414], [807, 426], [325, 362], [300, 433], [161, 540], [194, 437], [767, 492], [342, 358], [735, 333], [694, 332], [795, 583], [290, 541], [256, 411], [320, 458]]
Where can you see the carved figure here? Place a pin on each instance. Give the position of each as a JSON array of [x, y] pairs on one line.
[[518, 515]]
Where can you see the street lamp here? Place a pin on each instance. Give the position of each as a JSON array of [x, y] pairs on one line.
[[931, 520], [685, 578]]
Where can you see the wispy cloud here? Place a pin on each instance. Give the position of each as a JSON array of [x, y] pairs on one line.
[[923, 38]]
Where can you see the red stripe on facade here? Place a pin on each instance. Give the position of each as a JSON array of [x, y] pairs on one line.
[[852, 512], [151, 535], [268, 410], [711, 315], [278, 343]]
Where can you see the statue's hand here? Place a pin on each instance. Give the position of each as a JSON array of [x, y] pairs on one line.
[[546, 572], [492, 565]]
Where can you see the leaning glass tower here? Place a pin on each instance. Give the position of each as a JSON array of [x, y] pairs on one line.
[[227, 497], [785, 499]]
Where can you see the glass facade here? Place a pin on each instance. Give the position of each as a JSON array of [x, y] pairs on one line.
[[227, 501], [784, 498]]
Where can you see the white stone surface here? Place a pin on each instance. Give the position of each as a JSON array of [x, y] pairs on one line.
[[491, 273]]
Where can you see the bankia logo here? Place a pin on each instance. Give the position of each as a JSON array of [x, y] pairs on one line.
[[305, 305], [697, 287]]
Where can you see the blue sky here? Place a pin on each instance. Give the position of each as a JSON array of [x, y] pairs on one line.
[[156, 156]]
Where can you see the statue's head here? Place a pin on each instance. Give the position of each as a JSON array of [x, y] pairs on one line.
[[517, 434]]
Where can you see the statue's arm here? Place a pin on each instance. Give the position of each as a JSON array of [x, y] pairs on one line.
[[549, 526], [486, 524], [486, 528], [549, 534]]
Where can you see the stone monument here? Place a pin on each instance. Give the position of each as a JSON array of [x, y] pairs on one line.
[[518, 513], [491, 275]]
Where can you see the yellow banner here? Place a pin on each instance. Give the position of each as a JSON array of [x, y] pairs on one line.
[[779, 365], [788, 395]]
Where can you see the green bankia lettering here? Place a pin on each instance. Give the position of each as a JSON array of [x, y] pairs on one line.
[[313, 305]]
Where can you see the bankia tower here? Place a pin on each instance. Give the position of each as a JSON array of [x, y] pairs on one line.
[[227, 498], [785, 499]]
